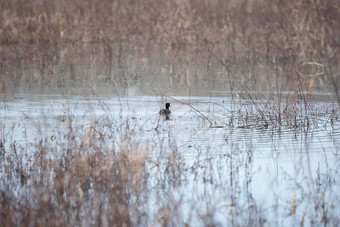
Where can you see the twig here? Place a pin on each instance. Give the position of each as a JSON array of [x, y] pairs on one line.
[[188, 104], [240, 84]]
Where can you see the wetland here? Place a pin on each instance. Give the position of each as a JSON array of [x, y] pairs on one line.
[[253, 137]]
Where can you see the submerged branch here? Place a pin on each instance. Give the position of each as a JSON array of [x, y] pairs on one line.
[[192, 107]]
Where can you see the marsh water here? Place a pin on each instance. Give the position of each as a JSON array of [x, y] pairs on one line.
[[253, 138], [224, 171]]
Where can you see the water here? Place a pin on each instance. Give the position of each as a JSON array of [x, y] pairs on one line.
[[221, 172]]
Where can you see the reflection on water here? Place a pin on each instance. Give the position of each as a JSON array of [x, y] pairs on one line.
[[226, 174]]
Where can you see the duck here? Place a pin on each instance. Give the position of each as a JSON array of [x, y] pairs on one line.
[[165, 112]]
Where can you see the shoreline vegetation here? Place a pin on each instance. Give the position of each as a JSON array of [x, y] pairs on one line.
[[183, 47], [97, 162], [83, 162]]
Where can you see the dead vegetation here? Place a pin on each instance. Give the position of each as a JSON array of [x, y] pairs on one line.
[[288, 49], [109, 174], [79, 44]]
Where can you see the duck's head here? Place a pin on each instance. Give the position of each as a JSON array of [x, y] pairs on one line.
[[167, 105]]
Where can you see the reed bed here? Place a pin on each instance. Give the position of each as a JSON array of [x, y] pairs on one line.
[[274, 59]]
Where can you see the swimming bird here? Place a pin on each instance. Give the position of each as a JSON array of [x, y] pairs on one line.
[[165, 112]]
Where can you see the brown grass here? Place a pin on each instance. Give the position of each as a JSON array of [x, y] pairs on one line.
[[161, 47], [79, 44], [109, 174]]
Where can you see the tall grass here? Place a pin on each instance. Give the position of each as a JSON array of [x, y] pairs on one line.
[[269, 56], [109, 174], [81, 44]]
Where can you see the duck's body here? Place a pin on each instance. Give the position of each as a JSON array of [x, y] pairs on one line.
[[165, 112]]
